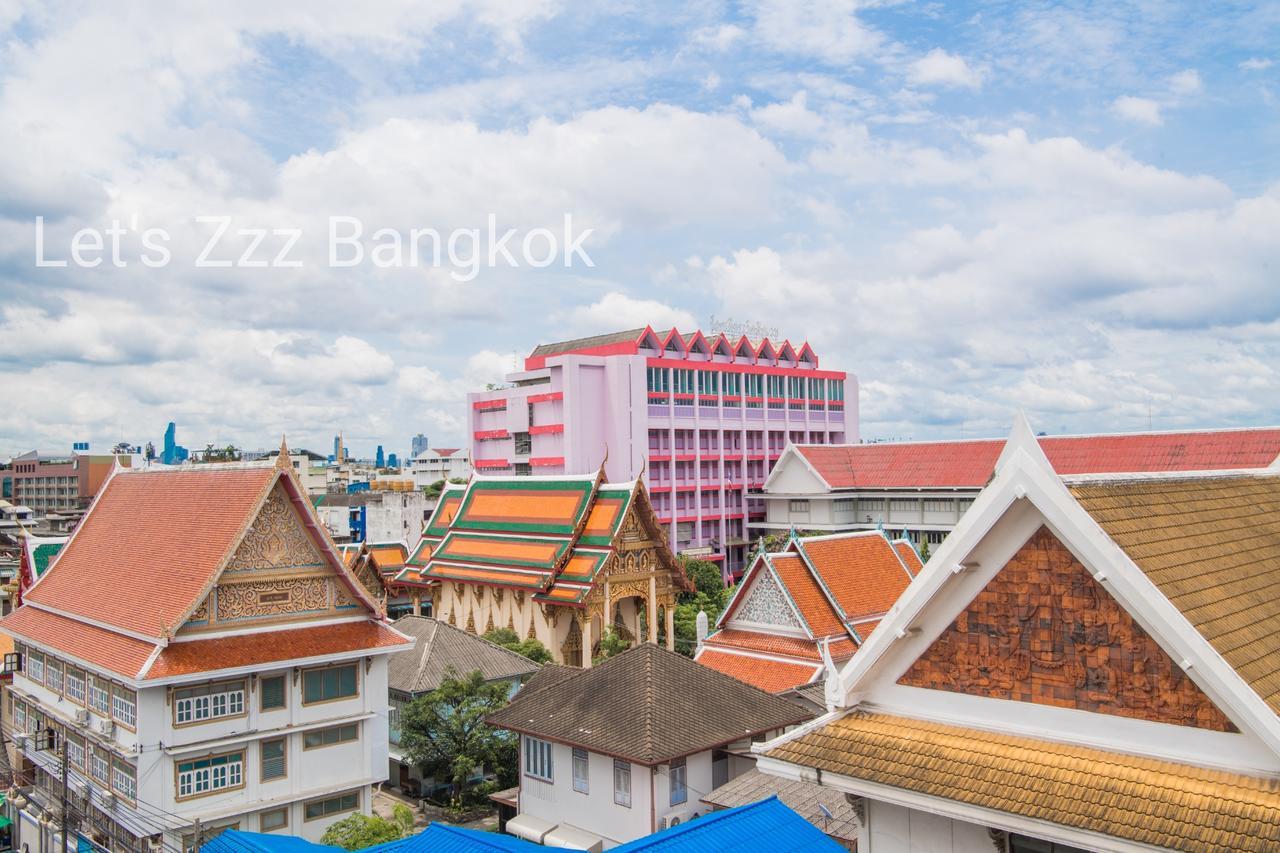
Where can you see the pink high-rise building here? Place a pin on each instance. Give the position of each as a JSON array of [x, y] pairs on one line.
[[703, 418]]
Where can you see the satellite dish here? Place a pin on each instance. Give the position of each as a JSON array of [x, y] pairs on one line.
[[826, 812]]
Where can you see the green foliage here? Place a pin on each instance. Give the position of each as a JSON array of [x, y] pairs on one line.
[[611, 643], [402, 816], [445, 731], [358, 831], [434, 490], [686, 616], [706, 577], [533, 649]]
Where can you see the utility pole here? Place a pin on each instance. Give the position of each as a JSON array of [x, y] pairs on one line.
[[195, 844], [49, 742]]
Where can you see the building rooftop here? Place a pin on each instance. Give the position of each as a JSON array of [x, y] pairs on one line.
[[803, 798], [970, 464], [768, 826], [647, 705], [1158, 803], [441, 647]]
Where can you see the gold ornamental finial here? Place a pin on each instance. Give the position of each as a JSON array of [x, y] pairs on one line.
[[282, 461]]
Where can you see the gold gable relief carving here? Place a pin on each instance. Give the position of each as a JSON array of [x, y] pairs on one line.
[[1044, 631], [276, 539], [258, 599], [532, 635], [201, 613], [452, 621], [471, 621], [488, 626]]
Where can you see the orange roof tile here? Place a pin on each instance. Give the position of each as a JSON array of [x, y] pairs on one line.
[[910, 557], [97, 646], [177, 524], [387, 557], [185, 658], [808, 596], [863, 572], [780, 645], [769, 675]]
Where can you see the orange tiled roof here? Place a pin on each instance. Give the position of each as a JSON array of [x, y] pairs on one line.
[[182, 523], [769, 675], [778, 644], [185, 658], [863, 572], [807, 595], [387, 557], [97, 646], [910, 557]]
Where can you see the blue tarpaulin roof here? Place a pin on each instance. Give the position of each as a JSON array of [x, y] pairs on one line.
[[235, 841], [436, 838], [764, 827]]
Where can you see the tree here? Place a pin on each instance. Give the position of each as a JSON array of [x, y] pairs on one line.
[[685, 617], [531, 648], [446, 734], [358, 831], [611, 643], [706, 576]]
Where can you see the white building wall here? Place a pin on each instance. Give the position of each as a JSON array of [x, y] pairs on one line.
[[594, 811], [896, 829]]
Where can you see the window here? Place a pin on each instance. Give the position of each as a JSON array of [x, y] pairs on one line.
[[537, 759], [53, 676], [208, 702], [333, 805], [581, 763], [935, 505], [328, 684], [845, 505], [329, 737], [679, 782], [798, 506], [273, 759], [100, 696], [75, 751], [75, 685], [622, 782], [207, 775], [98, 767], [124, 706], [19, 717], [273, 820], [124, 779], [272, 697], [35, 667]]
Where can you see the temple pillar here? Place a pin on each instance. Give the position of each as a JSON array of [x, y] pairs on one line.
[[587, 642], [651, 610], [417, 604], [671, 627]]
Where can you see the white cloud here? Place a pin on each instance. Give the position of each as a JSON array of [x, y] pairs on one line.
[[939, 68], [1256, 63], [719, 38], [1186, 83], [616, 310], [829, 30], [1140, 110]]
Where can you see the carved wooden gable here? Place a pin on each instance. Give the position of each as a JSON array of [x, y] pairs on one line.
[[1044, 631], [277, 572]]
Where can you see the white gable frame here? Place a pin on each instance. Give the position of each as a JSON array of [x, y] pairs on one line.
[[1024, 495], [749, 581], [788, 459]]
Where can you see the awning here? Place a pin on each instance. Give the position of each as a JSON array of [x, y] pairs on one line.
[[529, 828], [573, 838]]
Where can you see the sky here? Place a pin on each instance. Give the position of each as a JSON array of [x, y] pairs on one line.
[[1067, 208]]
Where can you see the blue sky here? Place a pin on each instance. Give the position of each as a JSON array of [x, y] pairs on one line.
[[975, 207]]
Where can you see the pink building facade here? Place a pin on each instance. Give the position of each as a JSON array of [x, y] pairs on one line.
[[702, 419]]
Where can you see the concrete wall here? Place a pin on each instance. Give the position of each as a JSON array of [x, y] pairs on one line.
[[895, 829]]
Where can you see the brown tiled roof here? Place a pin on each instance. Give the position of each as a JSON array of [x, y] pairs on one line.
[[442, 646], [801, 797], [1212, 546], [163, 532], [185, 658], [585, 343], [1143, 800], [647, 705]]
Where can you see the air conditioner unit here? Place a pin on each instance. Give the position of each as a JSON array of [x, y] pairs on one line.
[[132, 749], [20, 740], [677, 818], [106, 727], [82, 717]]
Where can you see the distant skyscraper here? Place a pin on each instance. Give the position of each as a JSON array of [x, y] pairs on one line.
[[419, 445], [393, 461], [337, 448], [173, 453], [379, 459]]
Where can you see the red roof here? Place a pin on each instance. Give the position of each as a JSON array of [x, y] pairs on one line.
[[807, 595], [93, 645], [185, 658], [146, 551], [970, 464]]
